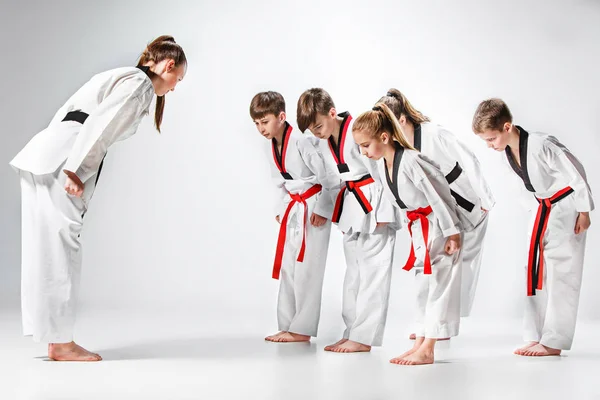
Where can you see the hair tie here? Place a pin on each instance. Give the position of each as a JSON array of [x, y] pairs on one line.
[[377, 108]]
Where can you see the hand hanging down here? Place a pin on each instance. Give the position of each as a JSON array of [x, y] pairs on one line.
[[452, 244], [73, 184], [583, 222]]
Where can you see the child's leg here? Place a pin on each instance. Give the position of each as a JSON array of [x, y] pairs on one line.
[[375, 256], [564, 265], [286, 300], [440, 316], [351, 281], [308, 282], [472, 251]]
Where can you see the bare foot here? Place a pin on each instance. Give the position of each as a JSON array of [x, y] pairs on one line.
[[420, 357], [70, 352], [289, 337], [522, 350], [405, 354], [350, 346], [273, 338], [539, 350], [336, 344]]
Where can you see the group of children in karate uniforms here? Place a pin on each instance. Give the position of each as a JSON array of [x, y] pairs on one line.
[[392, 167]]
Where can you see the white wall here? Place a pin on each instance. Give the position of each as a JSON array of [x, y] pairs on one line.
[[184, 218]]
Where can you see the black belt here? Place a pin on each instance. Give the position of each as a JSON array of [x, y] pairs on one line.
[[461, 201], [77, 116]]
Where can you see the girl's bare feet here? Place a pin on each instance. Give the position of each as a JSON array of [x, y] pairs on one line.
[[289, 337], [420, 357], [273, 338], [522, 350], [336, 344], [350, 346], [539, 350], [70, 352]]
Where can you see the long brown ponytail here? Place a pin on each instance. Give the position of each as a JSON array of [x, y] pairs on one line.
[[381, 119], [161, 48], [399, 105]]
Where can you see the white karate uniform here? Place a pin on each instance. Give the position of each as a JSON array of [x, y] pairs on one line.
[[471, 193], [417, 183], [368, 250], [298, 167], [547, 167], [115, 102]]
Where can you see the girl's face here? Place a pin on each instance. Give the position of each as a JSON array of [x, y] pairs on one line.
[[372, 147], [169, 76]]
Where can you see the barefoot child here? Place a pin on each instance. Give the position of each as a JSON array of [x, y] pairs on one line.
[[557, 244], [304, 208], [59, 169], [362, 215], [420, 189], [467, 185]]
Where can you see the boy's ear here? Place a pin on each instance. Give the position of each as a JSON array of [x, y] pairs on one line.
[[332, 112], [282, 117], [507, 126]]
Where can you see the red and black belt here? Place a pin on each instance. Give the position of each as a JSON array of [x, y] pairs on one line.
[[535, 265], [355, 188], [421, 215], [296, 198]]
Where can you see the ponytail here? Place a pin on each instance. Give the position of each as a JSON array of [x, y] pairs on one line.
[[381, 119], [400, 105], [161, 48]]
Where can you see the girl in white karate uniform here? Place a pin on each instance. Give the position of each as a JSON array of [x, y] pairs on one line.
[[365, 217], [557, 243], [468, 187], [59, 169], [303, 209], [418, 188]]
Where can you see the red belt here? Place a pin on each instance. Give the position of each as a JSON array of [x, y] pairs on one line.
[[535, 266], [419, 214], [296, 198], [354, 187]]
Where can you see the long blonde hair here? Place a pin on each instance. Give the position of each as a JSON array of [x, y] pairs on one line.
[[381, 119]]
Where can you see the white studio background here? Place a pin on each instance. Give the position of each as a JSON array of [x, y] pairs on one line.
[[184, 219]]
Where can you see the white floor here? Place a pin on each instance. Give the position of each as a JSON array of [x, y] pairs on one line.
[[176, 356]]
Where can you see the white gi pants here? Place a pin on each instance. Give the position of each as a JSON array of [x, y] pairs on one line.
[[438, 294], [301, 283], [472, 252], [551, 314], [51, 257], [369, 259]]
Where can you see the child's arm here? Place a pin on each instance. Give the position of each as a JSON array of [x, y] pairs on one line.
[[432, 183], [470, 165], [563, 161], [385, 212], [328, 179]]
